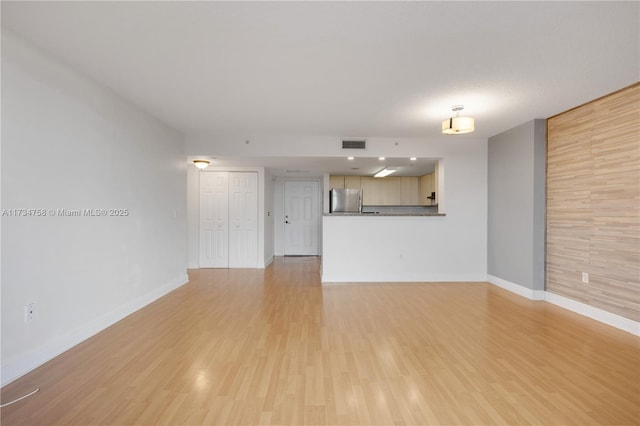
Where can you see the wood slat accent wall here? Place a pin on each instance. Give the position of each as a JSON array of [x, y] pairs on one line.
[[593, 203]]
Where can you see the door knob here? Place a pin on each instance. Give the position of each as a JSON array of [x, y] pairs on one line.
[[286, 221]]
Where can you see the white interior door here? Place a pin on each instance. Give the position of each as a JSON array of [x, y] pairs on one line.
[[302, 217], [243, 220], [214, 220]]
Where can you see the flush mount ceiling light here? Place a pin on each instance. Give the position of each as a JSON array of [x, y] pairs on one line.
[[457, 125], [385, 172], [201, 164]]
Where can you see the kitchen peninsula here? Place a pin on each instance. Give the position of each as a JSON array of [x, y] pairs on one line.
[[408, 240], [361, 247]]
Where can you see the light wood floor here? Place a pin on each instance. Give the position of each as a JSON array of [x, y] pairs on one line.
[[275, 347]]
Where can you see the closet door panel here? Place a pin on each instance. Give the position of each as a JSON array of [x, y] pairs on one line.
[[214, 220], [243, 219]]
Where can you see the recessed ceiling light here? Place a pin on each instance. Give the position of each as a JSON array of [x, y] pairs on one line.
[[381, 158], [350, 158], [413, 158]]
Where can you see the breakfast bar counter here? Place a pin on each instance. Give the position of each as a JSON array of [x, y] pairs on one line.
[[360, 247]]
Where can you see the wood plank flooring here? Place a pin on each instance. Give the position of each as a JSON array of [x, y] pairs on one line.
[[274, 347]]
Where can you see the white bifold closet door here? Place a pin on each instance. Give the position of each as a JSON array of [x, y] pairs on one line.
[[214, 220], [243, 219], [228, 219]]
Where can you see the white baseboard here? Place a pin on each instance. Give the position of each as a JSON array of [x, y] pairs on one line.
[[364, 277], [617, 321], [329, 278], [516, 288], [580, 308], [268, 262], [15, 369]]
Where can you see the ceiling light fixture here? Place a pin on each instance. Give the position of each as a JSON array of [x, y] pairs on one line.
[[201, 164], [412, 159], [385, 172], [458, 125], [381, 158], [350, 158]]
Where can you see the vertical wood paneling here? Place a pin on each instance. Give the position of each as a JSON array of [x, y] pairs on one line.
[[593, 203]]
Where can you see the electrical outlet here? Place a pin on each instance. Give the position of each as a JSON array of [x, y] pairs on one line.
[[585, 277], [29, 312]]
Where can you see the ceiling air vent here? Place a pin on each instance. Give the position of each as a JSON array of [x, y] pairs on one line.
[[354, 144]]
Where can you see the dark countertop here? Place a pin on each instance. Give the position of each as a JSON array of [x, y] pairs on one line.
[[422, 206], [383, 214]]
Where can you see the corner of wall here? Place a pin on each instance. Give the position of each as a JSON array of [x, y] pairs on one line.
[[516, 288]]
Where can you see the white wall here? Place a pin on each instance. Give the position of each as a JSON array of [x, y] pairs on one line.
[[399, 249], [278, 212], [193, 215], [68, 143], [269, 218]]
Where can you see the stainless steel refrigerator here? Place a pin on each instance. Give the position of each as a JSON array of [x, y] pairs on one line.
[[345, 201]]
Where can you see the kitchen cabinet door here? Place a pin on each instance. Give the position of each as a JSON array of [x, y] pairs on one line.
[[427, 185], [391, 191], [352, 182], [336, 182], [410, 193], [370, 191]]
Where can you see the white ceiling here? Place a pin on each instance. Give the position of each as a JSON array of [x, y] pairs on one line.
[[368, 69]]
